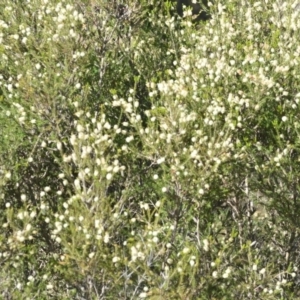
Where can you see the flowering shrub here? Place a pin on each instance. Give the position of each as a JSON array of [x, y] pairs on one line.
[[145, 156]]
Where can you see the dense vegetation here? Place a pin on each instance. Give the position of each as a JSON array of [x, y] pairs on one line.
[[144, 155]]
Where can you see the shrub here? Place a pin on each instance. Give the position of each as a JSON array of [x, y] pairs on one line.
[[147, 157]]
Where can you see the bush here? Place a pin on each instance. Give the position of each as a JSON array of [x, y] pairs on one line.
[[144, 156]]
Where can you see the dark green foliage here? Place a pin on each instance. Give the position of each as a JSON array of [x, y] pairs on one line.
[[200, 9]]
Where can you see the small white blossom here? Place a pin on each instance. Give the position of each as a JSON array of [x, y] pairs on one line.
[[215, 274], [226, 273], [129, 139], [160, 160], [262, 271], [155, 240], [115, 259], [205, 245], [192, 263], [186, 250], [106, 237]]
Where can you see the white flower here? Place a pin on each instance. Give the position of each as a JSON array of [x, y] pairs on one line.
[[205, 245], [107, 125], [169, 261], [106, 237], [186, 250], [116, 169], [79, 129], [194, 153], [155, 240], [215, 274], [129, 139], [192, 263], [28, 227], [59, 145], [115, 259], [19, 286], [97, 223], [226, 274], [160, 160], [32, 214], [47, 189], [262, 271]]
